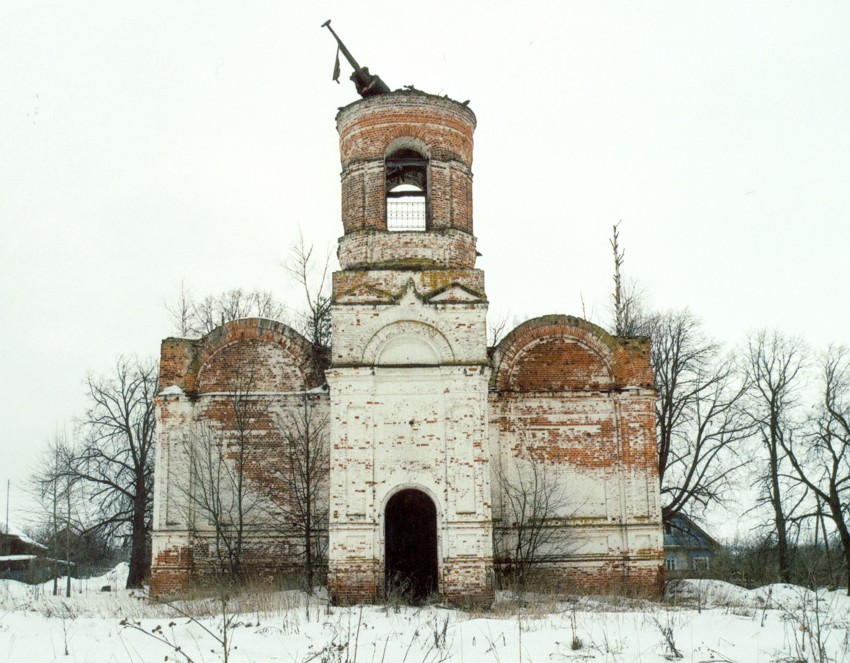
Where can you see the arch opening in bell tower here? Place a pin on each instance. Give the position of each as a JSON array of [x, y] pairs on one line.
[[407, 190]]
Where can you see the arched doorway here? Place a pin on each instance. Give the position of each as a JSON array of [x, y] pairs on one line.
[[410, 545]]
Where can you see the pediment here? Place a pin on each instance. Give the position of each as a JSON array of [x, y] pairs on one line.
[[365, 295], [409, 296], [454, 294]]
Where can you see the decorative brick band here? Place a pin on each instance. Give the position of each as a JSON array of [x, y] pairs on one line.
[[382, 249]]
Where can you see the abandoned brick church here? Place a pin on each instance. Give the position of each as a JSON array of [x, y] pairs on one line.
[[444, 457]]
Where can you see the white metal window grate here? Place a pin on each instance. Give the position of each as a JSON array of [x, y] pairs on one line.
[[406, 213]]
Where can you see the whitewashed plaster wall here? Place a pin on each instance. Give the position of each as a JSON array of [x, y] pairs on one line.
[[409, 410]]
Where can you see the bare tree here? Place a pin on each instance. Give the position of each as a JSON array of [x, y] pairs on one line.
[[312, 273], [698, 415], [53, 484], [194, 318], [533, 518], [217, 498], [774, 366], [304, 476], [116, 460], [181, 310], [698, 412], [821, 459], [220, 453]]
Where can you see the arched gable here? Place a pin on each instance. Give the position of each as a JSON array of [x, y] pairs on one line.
[[254, 354], [563, 353]]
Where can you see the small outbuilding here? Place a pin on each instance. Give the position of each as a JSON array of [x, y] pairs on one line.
[[20, 555], [688, 549]]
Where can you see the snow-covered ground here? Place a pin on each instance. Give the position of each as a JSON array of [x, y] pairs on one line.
[[701, 621]]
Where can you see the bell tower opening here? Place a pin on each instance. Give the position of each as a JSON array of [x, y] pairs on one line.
[[407, 191], [410, 546]]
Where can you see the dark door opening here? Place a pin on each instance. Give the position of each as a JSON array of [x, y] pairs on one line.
[[410, 546]]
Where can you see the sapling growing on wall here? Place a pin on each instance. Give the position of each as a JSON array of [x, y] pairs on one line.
[[627, 299]]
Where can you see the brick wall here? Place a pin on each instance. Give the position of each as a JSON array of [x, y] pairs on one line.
[[387, 286], [578, 404], [624, 576], [251, 381], [584, 349], [182, 360]]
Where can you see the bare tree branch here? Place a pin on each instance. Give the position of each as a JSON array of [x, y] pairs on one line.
[[116, 460], [312, 273], [821, 462], [532, 530], [221, 451], [774, 367], [304, 431], [698, 415], [194, 318], [496, 330]]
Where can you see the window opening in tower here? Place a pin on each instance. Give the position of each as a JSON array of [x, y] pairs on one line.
[[406, 187]]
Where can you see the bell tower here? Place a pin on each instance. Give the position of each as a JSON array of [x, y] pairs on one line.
[[406, 183], [409, 369]]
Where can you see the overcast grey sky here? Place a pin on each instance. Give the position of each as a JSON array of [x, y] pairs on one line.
[[145, 143]]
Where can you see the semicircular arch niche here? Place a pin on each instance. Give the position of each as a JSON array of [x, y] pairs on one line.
[[559, 363], [408, 343], [407, 349]]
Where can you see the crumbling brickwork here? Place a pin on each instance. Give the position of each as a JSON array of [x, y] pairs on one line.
[[438, 128], [579, 403], [415, 404], [223, 406]]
